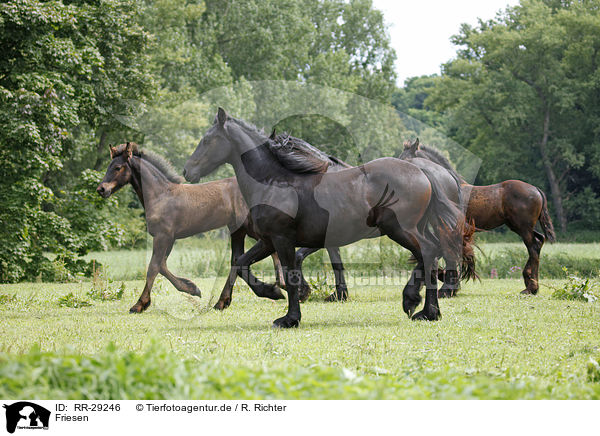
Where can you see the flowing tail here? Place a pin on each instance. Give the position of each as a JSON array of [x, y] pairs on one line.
[[455, 233], [467, 268], [545, 220]]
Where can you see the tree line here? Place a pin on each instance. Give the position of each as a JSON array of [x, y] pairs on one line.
[[522, 94]]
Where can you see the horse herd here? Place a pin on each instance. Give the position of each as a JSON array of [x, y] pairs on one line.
[[288, 194]]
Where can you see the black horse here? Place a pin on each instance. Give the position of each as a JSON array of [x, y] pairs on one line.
[[292, 205]]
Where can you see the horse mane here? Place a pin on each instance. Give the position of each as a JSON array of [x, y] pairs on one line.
[[161, 164], [295, 154], [434, 155], [299, 156]]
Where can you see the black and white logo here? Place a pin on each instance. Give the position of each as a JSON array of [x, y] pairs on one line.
[[26, 415]]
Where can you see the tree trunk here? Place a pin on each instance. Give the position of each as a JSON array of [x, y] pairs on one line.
[[555, 190], [101, 150]]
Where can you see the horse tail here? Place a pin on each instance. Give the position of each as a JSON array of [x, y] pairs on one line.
[[467, 270], [545, 220], [454, 230]]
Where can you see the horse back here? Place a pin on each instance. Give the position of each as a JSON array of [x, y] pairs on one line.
[[508, 202]]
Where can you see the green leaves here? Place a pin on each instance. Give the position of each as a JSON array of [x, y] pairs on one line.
[[61, 65]]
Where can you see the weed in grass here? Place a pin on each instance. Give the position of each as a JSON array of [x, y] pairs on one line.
[[70, 300], [109, 294], [593, 370], [577, 288], [6, 298], [320, 288]]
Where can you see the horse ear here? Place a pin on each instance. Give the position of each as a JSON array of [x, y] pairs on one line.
[[112, 149], [273, 135], [129, 150], [414, 146], [221, 116]]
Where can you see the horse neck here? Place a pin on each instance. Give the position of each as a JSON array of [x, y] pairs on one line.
[[441, 162], [148, 182], [252, 161]]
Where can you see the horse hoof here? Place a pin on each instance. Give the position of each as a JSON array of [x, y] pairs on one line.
[[529, 292], [304, 293], [139, 307], [275, 293], [423, 316], [409, 305], [285, 322], [222, 305], [334, 297], [446, 293]]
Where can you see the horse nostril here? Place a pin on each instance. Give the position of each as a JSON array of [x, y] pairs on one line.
[[100, 190], [184, 172]]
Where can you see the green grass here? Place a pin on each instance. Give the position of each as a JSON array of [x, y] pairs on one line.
[[491, 343]]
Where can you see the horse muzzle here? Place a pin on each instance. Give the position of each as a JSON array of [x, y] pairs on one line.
[[103, 190], [190, 176]]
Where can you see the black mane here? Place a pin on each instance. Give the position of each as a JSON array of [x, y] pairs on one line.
[[299, 156], [295, 154]]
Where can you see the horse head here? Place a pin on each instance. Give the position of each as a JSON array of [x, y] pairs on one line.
[[119, 171]]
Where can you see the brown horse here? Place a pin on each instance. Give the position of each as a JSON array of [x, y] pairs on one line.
[[176, 211], [517, 204]]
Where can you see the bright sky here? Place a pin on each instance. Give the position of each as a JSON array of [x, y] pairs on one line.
[[420, 30]]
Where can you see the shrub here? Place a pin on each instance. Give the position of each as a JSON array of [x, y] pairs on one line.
[[70, 300], [103, 288], [593, 370], [5, 298], [577, 288]]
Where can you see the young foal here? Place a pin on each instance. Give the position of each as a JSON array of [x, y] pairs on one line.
[[291, 207], [517, 204], [176, 211]]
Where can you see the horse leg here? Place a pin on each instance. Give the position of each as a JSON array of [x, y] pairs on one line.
[[160, 246], [426, 253], [237, 249], [341, 290], [451, 281], [180, 283], [388, 225], [533, 241], [241, 267], [258, 252], [304, 289], [287, 255], [431, 309], [279, 279]]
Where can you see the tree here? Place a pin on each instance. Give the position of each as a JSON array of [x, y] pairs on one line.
[[332, 42], [515, 94], [64, 68], [410, 100]]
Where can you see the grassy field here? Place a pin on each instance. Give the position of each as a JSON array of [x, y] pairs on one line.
[[491, 343], [203, 257]]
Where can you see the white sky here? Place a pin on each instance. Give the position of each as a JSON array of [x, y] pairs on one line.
[[420, 30]]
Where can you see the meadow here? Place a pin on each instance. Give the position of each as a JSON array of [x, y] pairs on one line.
[[60, 340]]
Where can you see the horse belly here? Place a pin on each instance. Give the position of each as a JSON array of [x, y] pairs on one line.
[[485, 207]]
